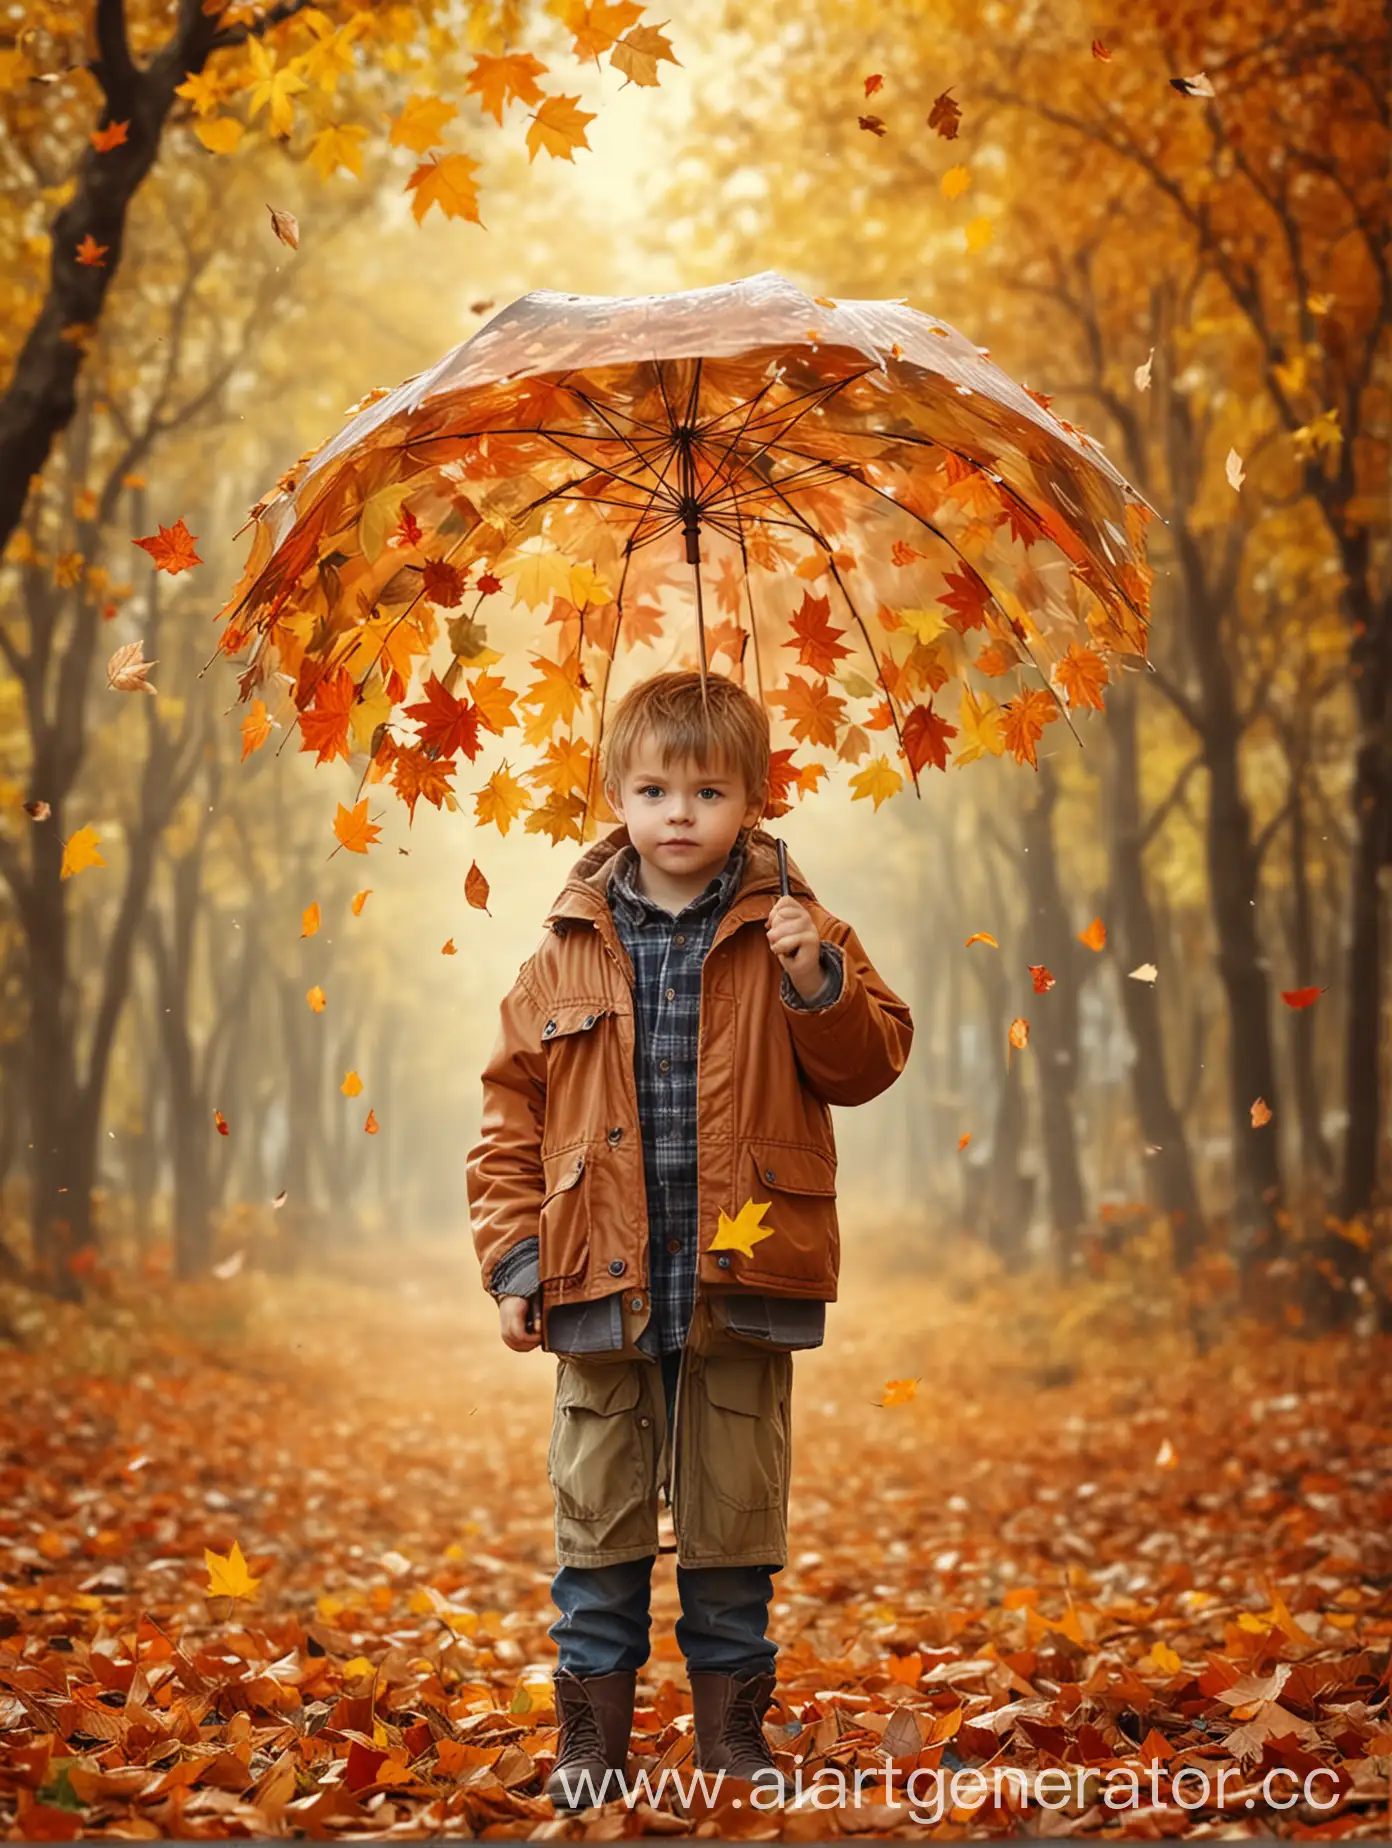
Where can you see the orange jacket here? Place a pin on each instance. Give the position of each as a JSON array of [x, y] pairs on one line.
[[560, 1147]]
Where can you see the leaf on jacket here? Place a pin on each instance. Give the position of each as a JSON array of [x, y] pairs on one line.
[[745, 1230]]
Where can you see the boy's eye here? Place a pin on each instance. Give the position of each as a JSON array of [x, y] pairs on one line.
[[708, 791], [650, 789]]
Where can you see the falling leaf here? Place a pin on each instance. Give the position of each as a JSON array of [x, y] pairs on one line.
[[114, 135], [80, 852], [371, 1126], [351, 1085], [316, 999], [279, 1200], [745, 1230], [228, 1577], [476, 888], [981, 936], [1041, 978], [1301, 997], [1141, 375], [359, 900], [1197, 85], [220, 134], [874, 83], [91, 254], [229, 1266], [1233, 469], [1095, 936], [559, 127], [127, 668], [171, 548], [878, 780], [447, 947], [963, 1140], [352, 828], [873, 123], [978, 234], [898, 1392], [309, 920], [1165, 1457], [955, 182], [286, 227], [1100, 52], [1261, 1112], [448, 183], [498, 81], [256, 728], [1143, 972], [637, 54], [220, 1123], [38, 811], [1019, 1032], [945, 116]]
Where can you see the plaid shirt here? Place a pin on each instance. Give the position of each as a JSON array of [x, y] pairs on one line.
[[667, 952]]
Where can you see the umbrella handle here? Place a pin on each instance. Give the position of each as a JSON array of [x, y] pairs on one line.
[[782, 847]]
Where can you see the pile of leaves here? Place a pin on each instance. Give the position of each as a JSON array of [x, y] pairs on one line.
[[295, 1580]]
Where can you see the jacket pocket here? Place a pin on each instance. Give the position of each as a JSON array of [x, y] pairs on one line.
[[568, 1017], [563, 1226], [799, 1183], [741, 1450], [596, 1461]]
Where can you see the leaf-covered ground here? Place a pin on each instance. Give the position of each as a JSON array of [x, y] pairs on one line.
[[1072, 1543]]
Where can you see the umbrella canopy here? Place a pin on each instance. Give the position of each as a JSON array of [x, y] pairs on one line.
[[843, 504]]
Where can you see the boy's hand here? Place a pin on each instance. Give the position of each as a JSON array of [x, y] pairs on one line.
[[792, 936], [512, 1316]]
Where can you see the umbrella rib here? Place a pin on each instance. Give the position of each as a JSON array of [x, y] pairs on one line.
[[749, 600]]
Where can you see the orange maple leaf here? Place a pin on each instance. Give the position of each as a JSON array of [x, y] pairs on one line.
[[993, 660], [171, 548], [325, 727], [112, 136], [925, 737], [501, 800], [442, 583], [965, 598], [818, 644], [1082, 674], [352, 828], [510, 79], [556, 696], [1095, 936], [1023, 720], [446, 724], [92, 254], [256, 728], [493, 702], [558, 817], [416, 773], [371, 1126], [1041, 978], [813, 712]]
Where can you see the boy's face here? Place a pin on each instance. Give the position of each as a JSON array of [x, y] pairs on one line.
[[683, 816]]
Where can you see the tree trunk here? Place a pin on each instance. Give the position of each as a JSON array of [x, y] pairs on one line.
[[1316, 1159], [1054, 1020], [1134, 938]]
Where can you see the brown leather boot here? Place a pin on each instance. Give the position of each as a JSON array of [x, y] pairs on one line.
[[595, 1713], [728, 1711]]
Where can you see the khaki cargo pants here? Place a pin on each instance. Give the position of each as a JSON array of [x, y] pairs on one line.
[[726, 1478]]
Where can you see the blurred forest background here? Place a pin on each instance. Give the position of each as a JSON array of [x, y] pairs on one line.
[[1199, 280]]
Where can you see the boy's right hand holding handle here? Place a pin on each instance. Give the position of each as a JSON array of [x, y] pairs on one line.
[[515, 1318]]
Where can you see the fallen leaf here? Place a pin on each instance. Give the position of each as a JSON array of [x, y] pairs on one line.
[[1100, 52], [1142, 373], [80, 852], [1301, 997], [954, 183], [476, 888], [1197, 85], [309, 920], [171, 548], [1233, 469], [38, 810], [1143, 972], [316, 998], [286, 227], [352, 1084], [126, 669], [962, 1141], [229, 1266], [114, 135], [981, 936], [874, 83], [1041, 978], [945, 116], [447, 947], [228, 1576], [873, 123], [1019, 1032], [1261, 1112], [371, 1126], [220, 1123], [91, 254], [352, 828], [898, 1392], [1095, 936], [1165, 1457], [279, 1200], [359, 900], [256, 728]]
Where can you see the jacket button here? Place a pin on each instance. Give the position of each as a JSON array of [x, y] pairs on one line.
[[617, 1266], [635, 1302], [645, 1422], [615, 1135], [674, 1244], [548, 1029], [588, 1021], [770, 1176], [724, 1260]]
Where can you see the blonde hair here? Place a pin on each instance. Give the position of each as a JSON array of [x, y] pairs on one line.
[[726, 727]]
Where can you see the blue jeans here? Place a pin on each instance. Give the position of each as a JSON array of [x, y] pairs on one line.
[[604, 1622]]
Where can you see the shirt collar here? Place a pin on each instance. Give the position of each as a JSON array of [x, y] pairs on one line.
[[623, 885]]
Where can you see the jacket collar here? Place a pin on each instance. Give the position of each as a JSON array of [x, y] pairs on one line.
[[584, 894]]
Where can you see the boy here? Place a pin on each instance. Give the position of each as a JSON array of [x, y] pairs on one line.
[[664, 1068]]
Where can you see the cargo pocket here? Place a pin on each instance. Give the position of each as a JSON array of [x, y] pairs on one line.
[[745, 1455], [599, 1463], [563, 1223], [799, 1183]]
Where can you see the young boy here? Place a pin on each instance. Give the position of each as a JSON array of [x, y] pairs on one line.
[[655, 1182]]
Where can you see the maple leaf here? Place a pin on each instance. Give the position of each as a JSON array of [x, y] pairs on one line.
[[1023, 720], [558, 817], [112, 136], [446, 724], [745, 1230], [955, 181], [420, 126], [1095, 936], [274, 88], [309, 920], [498, 81], [566, 766], [324, 728], [415, 773], [127, 668], [818, 644], [447, 947], [556, 696], [966, 598], [353, 830], [501, 800], [813, 712], [352, 1084], [1261, 1113], [476, 888], [944, 116], [448, 183], [595, 24], [879, 780], [1082, 674], [853, 746], [256, 728], [339, 144], [981, 728], [92, 254], [559, 127], [638, 54], [489, 585], [316, 998], [80, 852], [1298, 997], [443, 584], [1041, 978], [901, 553], [995, 659], [228, 1576], [898, 1392], [171, 548], [925, 738], [493, 703]]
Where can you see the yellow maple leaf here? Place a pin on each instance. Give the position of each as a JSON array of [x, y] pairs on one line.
[[421, 122], [980, 728], [80, 852], [316, 998], [926, 625], [556, 696], [274, 87], [537, 576], [588, 587], [494, 701], [638, 53], [338, 145], [497, 81], [221, 135], [203, 91], [955, 181], [228, 1576], [448, 183], [879, 780], [1322, 433], [351, 1085], [745, 1230], [501, 800], [559, 127], [558, 817], [352, 828]]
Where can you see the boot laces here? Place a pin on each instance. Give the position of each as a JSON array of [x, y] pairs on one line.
[[580, 1721], [744, 1715]]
